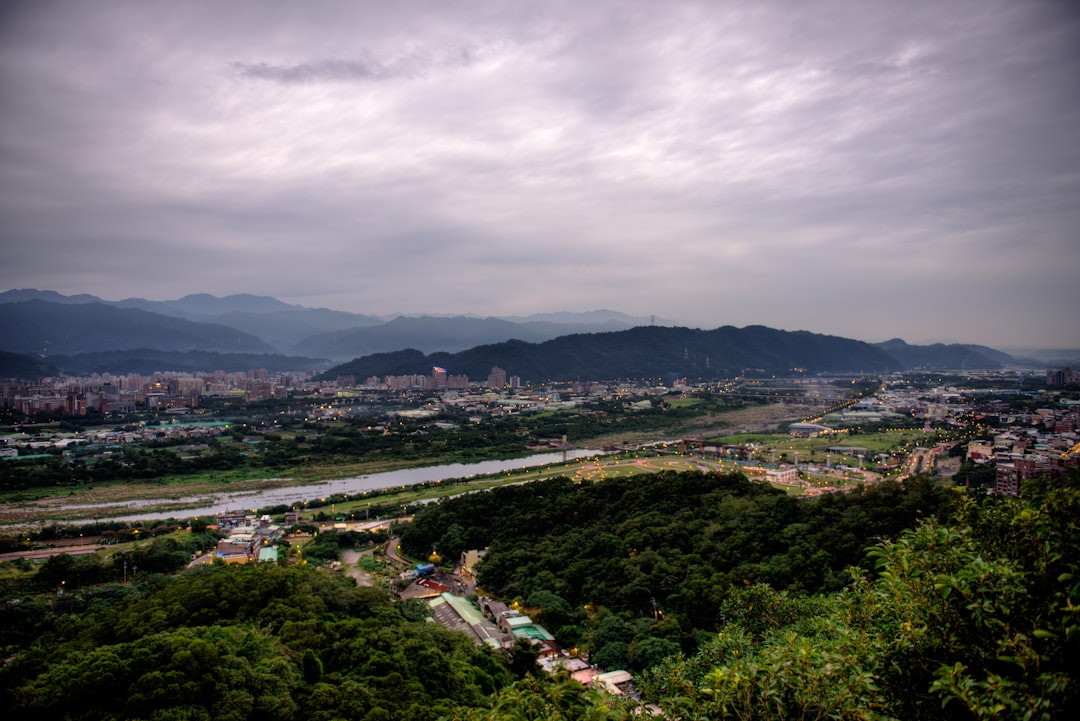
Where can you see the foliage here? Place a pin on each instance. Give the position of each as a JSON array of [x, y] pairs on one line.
[[969, 614], [973, 619], [664, 547], [245, 642], [975, 475], [212, 673], [548, 699]]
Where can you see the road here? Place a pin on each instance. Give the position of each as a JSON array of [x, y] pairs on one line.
[[921, 461], [47, 552], [392, 552]]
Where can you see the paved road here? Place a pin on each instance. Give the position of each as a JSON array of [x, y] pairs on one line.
[[392, 552], [47, 552], [920, 461]]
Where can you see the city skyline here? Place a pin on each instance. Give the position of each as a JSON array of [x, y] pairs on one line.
[[863, 170]]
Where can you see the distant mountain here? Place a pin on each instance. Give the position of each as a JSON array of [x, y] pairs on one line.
[[25, 367], [204, 305], [644, 352], [1047, 357], [592, 344], [447, 334], [941, 356], [43, 328], [21, 295], [588, 317], [320, 332], [283, 330], [278, 324]]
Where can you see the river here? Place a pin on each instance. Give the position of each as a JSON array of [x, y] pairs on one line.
[[203, 505]]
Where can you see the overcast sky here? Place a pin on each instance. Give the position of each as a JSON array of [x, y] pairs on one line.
[[869, 169]]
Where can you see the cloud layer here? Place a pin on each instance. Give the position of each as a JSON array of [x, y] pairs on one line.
[[864, 169]]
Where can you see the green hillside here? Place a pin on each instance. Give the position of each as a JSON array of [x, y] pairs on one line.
[[968, 613]]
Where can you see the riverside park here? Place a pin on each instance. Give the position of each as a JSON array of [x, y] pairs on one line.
[[798, 465]]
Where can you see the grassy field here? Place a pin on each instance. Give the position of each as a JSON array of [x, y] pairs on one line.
[[873, 443]]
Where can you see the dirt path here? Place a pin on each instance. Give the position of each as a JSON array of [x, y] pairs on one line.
[[349, 560]]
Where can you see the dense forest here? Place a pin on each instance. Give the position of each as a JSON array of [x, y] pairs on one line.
[[246, 642], [639, 566], [712, 589], [971, 618]]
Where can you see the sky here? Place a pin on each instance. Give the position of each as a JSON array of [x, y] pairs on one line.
[[864, 168]]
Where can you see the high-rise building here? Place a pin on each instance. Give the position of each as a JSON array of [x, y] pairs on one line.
[[76, 404], [1062, 377], [497, 378]]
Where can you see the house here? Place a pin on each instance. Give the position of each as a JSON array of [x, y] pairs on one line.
[[469, 560], [616, 683], [786, 476]]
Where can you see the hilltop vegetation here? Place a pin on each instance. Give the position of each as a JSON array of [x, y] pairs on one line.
[[974, 618], [970, 614], [648, 562], [245, 642]]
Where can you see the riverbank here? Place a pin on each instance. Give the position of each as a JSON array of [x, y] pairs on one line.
[[145, 505], [191, 496]]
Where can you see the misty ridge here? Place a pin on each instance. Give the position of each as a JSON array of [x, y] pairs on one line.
[[46, 332]]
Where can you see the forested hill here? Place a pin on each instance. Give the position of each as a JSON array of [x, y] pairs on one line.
[[692, 579], [16, 365], [644, 352], [676, 540], [969, 616], [238, 643]]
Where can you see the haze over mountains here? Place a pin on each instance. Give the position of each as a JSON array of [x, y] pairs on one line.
[[83, 333], [283, 328]]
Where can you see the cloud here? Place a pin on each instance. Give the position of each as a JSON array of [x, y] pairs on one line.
[[415, 64], [739, 162]]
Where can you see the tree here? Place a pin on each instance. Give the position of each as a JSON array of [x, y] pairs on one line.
[[609, 642], [312, 667], [523, 657], [647, 651], [560, 698], [58, 570], [973, 618], [452, 543]]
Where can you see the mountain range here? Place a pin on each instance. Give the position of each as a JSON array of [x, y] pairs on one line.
[[672, 352], [44, 331]]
